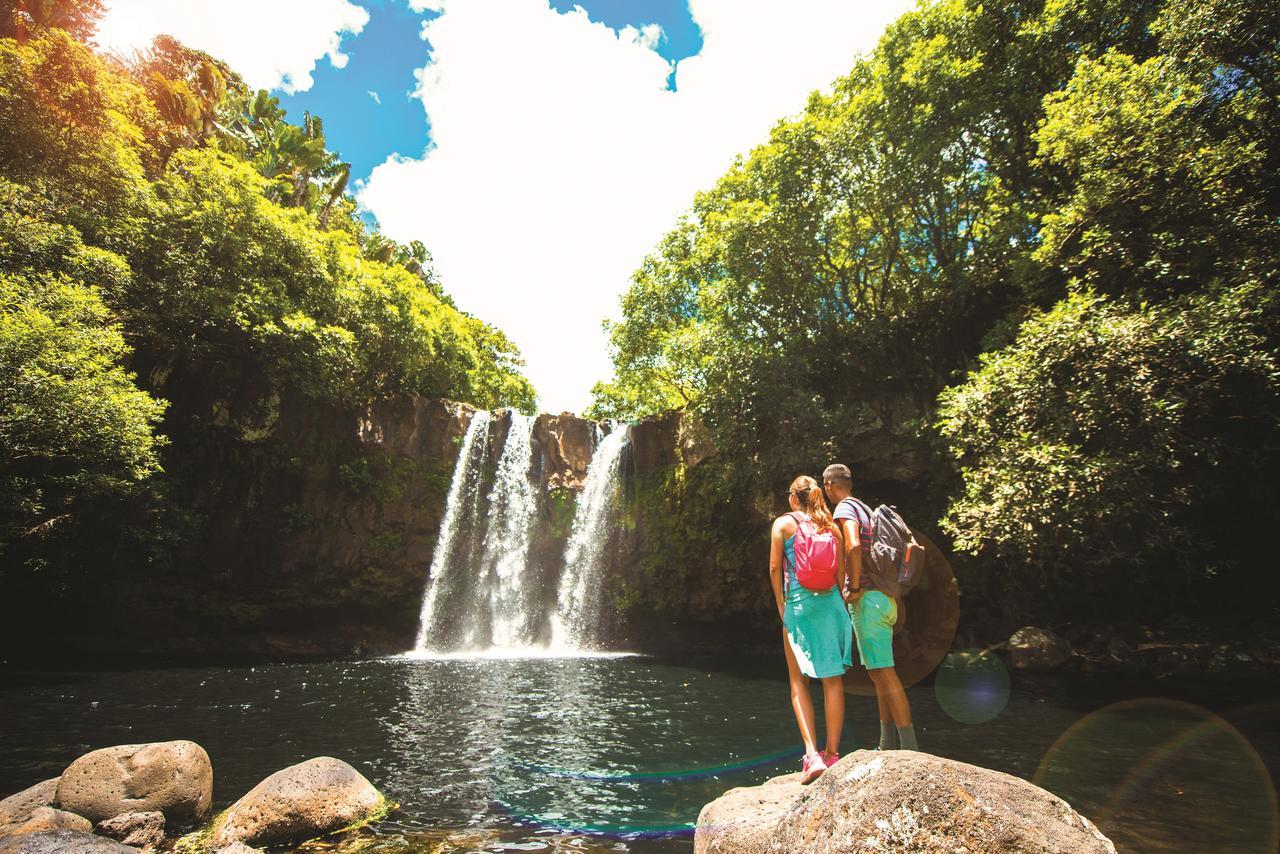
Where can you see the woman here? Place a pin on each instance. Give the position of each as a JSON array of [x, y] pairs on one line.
[[817, 636]]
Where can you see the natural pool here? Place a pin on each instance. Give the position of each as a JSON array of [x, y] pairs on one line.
[[620, 753]]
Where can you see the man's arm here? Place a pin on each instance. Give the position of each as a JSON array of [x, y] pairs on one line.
[[853, 557], [842, 559]]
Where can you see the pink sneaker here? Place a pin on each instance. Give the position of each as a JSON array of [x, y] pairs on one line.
[[813, 767], [829, 758]]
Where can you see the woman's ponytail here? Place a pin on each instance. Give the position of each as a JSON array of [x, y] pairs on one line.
[[810, 494]]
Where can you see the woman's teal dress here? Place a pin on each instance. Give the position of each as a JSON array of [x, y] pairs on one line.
[[817, 624]]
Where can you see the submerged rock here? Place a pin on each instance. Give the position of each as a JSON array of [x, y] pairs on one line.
[[16, 809], [47, 818], [171, 777], [142, 829], [311, 799], [62, 841], [237, 848], [1038, 650], [897, 800]]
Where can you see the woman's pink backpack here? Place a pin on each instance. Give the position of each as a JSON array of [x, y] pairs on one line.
[[816, 554]]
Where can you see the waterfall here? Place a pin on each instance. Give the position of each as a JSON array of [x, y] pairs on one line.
[[576, 622], [485, 593], [460, 514], [512, 510]]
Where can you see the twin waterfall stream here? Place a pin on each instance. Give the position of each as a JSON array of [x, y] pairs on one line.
[[484, 594]]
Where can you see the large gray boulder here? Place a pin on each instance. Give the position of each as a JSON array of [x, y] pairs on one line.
[[301, 802], [1038, 650], [141, 829], [171, 777], [16, 809], [47, 818], [897, 800], [62, 842]]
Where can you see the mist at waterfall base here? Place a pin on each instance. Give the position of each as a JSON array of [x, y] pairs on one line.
[[485, 595]]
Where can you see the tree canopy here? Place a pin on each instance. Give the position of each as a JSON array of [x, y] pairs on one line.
[[1035, 243], [178, 261]]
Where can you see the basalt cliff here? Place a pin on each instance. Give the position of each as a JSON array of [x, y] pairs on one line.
[[323, 549]]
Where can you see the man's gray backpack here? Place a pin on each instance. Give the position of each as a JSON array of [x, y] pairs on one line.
[[897, 559]]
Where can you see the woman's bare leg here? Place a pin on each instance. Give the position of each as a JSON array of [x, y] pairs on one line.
[[833, 708], [801, 702]]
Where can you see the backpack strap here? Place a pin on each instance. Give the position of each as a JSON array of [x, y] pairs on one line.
[[789, 566]]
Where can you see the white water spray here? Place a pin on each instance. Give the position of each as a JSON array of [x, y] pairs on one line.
[[576, 624], [512, 509], [461, 510]]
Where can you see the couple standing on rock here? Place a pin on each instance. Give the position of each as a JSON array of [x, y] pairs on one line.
[[826, 595]]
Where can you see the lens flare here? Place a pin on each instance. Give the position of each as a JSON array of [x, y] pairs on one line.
[[1130, 763], [972, 686], [926, 627]]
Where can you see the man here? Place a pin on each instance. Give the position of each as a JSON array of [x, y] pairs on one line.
[[873, 612]]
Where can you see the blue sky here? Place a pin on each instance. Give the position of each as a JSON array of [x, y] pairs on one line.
[[383, 57], [549, 145]]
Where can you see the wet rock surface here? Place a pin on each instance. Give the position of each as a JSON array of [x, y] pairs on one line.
[[47, 818], [141, 829], [1038, 650], [62, 842], [17, 808]]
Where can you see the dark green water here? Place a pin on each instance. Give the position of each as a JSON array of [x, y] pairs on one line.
[[620, 753]]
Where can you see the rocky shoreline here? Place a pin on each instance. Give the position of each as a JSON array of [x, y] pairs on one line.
[[1137, 652], [158, 797], [139, 797]]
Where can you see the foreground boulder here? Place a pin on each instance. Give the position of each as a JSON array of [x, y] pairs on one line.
[[141, 829], [1038, 650], [16, 809], [61, 842], [171, 777], [311, 799], [896, 801]]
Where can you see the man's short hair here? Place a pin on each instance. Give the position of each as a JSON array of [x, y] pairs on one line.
[[837, 471]]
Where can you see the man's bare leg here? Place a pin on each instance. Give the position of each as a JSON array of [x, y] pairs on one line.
[[889, 692]]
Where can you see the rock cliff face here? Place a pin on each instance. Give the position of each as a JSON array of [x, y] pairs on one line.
[[567, 443], [316, 543]]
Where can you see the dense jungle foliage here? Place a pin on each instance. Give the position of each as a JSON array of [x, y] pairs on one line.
[[180, 270], [1020, 269]]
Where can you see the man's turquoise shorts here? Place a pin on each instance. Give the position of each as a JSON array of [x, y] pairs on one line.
[[873, 617]]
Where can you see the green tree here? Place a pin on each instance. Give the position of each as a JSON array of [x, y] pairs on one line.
[[844, 273], [72, 423], [1109, 446]]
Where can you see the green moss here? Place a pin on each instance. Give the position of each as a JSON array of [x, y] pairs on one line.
[[388, 541], [701, 550], [201, 841], [561, 504]]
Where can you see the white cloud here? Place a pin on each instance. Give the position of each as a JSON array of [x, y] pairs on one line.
[[274, 44], [559, 157], [377, 99]]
